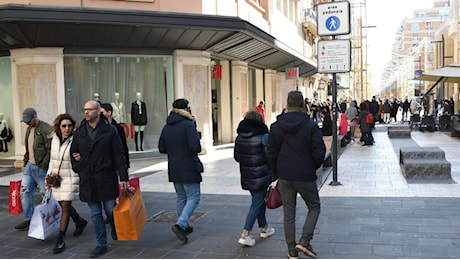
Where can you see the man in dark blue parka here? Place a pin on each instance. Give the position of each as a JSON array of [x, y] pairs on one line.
[[295, 150], [180, 140]]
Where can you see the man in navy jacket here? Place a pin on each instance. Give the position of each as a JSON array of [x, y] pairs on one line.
[[180, 140], [295, 151]]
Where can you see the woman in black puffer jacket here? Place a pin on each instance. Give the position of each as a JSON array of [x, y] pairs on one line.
[[250, 147]]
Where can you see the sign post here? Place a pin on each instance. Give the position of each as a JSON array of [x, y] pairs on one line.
[[334, 56]]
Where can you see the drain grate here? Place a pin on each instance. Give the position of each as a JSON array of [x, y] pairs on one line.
[[171, 217]]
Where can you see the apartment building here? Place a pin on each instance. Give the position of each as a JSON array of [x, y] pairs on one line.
[[224, 56]]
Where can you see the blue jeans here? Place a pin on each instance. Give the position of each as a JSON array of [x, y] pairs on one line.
[[98, 220], [256, 210], [33, 176], [309, 193], [188, 197]]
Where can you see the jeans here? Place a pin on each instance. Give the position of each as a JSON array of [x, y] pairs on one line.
[[33, 176], [98, 220], [188, 197], [256, 210], [309, 193]]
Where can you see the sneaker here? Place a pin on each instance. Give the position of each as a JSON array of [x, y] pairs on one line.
[[180, 233], [79, 227], [246, 240], [59, 247], [267, 231], [23, 225], [307, 250], [98, 251], [293, 254]]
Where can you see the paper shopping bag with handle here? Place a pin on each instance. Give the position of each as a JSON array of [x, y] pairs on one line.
[[14, 198], [130, 215], [46, 218]]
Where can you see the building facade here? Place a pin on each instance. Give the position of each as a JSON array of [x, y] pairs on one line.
[[223, 55]]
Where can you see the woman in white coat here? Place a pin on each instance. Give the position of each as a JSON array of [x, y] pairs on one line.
[[63, 128]]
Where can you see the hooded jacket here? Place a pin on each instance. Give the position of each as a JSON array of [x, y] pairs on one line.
[[102, 161], [250, 152], [295, 147], [180, 140]]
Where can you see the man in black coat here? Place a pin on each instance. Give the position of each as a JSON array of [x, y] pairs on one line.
[[98, 158], [295, 151], [180, 140]]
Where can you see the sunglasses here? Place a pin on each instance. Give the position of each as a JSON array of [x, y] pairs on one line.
[[69, 125]]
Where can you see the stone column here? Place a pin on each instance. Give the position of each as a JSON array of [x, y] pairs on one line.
[[192, 81], [38, 81], [239, 93]]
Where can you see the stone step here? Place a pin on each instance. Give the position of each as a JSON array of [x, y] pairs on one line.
[[426, 169], [399, 131], [416, 152]]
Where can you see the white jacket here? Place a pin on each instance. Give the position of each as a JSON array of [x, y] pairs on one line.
[[70, 180]]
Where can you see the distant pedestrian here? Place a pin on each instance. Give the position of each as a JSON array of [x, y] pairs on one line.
[[295, 151], [36, 161], [261, 109], [181, 141], [250, 152], [98, 158]]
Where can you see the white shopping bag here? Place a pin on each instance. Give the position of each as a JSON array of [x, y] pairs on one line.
[[46, 218]]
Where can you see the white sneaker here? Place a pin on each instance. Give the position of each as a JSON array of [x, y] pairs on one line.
[[267, 231], [246, 240]]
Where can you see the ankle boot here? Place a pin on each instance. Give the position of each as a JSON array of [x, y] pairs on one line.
[[59, 247], [79, 227]]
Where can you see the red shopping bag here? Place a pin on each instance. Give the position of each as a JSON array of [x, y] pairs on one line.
[[133, 182], [14, 200]]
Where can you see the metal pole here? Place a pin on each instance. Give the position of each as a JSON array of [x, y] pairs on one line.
[[334, 158]]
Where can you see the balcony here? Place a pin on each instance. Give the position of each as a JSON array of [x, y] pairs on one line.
[[309, 20]]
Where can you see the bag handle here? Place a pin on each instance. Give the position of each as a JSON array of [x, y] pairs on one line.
[[62, 159]]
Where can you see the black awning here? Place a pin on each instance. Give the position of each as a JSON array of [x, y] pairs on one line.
[[106, 30]]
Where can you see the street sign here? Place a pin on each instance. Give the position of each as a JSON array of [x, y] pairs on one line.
[[334, 56], [333, 18]]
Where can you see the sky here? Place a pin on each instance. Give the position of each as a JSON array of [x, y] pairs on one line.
[[387, 16]]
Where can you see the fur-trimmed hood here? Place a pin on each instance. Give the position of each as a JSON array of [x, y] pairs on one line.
[[176, 115]]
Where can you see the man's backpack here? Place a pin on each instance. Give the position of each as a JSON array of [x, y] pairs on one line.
[[369, 118]]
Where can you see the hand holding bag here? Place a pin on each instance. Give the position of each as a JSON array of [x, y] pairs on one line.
[[46, 218], [273, 198], [14, 197]]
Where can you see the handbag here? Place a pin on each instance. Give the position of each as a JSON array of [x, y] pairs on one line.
[[14, 198], [130, 215], [54, 179], [46, 218], [273, 198]]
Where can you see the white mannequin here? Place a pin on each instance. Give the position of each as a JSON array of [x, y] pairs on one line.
[[96, 96], [3, 142], [119, 112]]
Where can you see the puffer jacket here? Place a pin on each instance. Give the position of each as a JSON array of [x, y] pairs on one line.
[[102, 162], [250, 152], [295, 147], [70, 179], [180, 140]]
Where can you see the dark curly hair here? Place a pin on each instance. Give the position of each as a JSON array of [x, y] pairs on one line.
[[57, 122]]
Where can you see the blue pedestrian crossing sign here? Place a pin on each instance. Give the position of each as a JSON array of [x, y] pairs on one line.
[[333, 18]]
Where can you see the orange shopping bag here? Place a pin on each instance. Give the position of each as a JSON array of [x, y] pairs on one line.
[[130, 216]]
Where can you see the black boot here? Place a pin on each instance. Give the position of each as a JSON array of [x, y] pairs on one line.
[[79, 227], [142, 139], [136, 134], [59, 247]]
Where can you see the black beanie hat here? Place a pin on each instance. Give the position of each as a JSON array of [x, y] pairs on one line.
[[180, 103]]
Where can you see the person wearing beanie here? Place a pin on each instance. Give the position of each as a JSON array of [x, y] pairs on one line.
[[295, 151], [180, 140]]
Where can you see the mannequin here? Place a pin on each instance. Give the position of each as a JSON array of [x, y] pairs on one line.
[[139, 119], [118, 113], [3, 134], [97, 97]]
